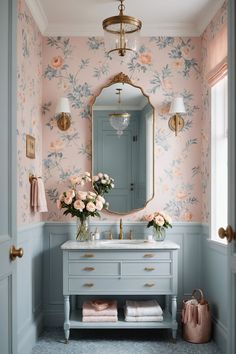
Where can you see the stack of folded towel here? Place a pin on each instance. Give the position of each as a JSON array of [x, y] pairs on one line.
[[143, 311], [100, 311]]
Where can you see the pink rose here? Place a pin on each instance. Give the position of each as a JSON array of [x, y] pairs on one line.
[[70, 193], [99, 205], [58, 204], [95, 178], [168, 219], [159, 220], [149, 217], [100, 199], [87, 174], [79, 205], [68, 200], [82, 195], [91, 207]]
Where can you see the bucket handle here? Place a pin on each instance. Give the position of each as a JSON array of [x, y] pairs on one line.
[[201, 300]]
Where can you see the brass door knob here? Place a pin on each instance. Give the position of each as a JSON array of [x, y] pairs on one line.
[[16, 253], [229, 234]]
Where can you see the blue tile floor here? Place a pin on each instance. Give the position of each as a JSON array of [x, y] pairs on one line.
[[117, 342]]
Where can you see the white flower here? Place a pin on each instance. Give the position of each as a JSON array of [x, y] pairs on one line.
[[105, 176], [100, 175], [112, 185], [100, 199], [95, 178], [104, 181], [99, 205], [168, 219], [87, 174]]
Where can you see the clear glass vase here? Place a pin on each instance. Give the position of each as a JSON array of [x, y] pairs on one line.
[[159, 234], [82, 231]]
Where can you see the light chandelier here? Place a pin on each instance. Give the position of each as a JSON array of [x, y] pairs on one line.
[[121, 32], [119, 120]]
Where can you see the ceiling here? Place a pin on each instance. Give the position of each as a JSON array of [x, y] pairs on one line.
[[159, 17]]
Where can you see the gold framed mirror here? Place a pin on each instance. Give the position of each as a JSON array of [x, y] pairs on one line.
[[123, 126]]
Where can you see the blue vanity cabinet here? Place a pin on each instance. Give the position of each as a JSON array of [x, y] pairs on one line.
[[90, 269]]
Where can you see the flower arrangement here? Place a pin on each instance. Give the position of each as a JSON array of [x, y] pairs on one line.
[[102, 183], [81, 204], [160, 221]]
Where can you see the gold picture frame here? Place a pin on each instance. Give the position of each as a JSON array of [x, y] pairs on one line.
[[30, 146]]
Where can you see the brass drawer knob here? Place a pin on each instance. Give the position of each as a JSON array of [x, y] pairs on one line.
[[88, 255], [16, 253], [89, 269], [88, 285], [149, 255], [149, 285], [149, 269]]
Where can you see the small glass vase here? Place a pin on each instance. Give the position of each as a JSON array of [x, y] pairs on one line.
[[160, 234], [82, 231]]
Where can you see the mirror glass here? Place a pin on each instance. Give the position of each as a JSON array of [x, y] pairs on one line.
[[123, 143]]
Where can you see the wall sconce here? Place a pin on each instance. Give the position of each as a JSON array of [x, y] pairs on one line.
[[63, 114], [176, 122]]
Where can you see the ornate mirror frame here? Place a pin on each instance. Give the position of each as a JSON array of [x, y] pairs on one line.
[[124, 79]]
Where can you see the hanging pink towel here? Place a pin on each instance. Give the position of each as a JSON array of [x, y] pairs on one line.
[[38, 198], [34, 195]]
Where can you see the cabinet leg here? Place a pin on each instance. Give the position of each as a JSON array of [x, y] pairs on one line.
[[174, 313], [67, 317]]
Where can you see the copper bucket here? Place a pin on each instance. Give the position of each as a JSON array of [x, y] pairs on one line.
[[196, 319]]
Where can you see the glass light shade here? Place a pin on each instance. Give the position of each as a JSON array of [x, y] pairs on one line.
[[177, 106], [119, 121], [63, 105], [127, 43]]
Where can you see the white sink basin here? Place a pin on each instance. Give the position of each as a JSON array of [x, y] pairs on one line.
[[122, 242]]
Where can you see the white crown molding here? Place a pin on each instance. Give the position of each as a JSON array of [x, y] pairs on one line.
[[38, 14], [70, 30], [206, 17]]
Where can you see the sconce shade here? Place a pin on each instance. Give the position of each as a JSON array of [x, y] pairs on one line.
[[63, 114], [177, 106], [63, 106]]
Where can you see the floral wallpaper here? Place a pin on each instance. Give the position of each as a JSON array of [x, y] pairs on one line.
[[77, 67], [29, 105], [219, 20], [164, 66]]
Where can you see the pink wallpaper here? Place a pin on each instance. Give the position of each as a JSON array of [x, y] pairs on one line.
[[209, 34], [164, 67], [29, 103], [77, 67]]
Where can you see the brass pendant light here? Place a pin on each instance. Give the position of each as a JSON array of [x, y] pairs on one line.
[[121, 32]]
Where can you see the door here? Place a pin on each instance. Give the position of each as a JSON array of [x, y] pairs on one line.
[[232, 176], [8, 10]]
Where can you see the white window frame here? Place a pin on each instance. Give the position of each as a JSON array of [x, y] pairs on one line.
[[219, 158]]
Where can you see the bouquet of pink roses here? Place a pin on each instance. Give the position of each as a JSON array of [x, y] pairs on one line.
[[159, 220]]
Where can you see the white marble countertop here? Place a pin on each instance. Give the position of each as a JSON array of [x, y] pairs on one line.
[[119, 244]]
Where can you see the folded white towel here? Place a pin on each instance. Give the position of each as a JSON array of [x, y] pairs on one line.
[[143, 308], [144, 318]]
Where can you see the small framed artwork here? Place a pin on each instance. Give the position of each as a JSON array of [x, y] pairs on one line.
[[30, 146]]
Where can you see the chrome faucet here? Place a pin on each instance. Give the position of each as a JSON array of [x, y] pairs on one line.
[[121, 230]]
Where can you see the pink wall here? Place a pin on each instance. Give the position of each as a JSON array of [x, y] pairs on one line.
[[164, 67], [29, 103], [219, 20], [77, 67]]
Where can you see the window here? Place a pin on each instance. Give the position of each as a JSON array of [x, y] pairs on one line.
[[219, 158]]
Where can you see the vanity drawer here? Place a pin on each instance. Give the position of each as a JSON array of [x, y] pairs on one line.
[[119, 255], [93, 268], [119, 285], [146, 268]]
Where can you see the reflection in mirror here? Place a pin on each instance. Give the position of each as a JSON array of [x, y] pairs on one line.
[[123, 128]]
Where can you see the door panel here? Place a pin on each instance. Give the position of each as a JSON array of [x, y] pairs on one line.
[[8, 10], [232, 176]]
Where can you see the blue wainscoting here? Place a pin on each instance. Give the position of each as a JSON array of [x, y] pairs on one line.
[[30, 286], [187, 235], [214, 280]]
